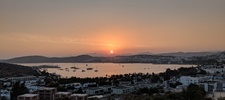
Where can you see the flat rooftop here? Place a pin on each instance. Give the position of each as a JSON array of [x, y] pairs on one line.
[[82, 95], [28, 95], [46, 88], [65, 93]]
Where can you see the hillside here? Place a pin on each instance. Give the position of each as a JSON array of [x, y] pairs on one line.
[[87, 59], [172, 58], [42, 59], [189, 54], [31, 59], [13, 70]]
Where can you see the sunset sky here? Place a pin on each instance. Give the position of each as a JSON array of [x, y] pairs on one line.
[[73, 27]]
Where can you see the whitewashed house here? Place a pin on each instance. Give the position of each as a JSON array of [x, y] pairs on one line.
[[94, 91], [107, 89], [208, 86], [187, 80], [122, 90]]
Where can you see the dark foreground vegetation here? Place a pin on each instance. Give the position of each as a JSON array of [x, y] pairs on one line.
[[13, 70], [193, 92]]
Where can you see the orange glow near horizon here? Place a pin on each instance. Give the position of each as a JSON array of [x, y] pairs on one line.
[[111, 51], [110, 27]]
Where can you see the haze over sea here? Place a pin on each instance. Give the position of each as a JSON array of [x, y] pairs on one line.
[[106, 68]]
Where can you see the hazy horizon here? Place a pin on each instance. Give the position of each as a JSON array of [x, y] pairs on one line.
[[67, 28], [113, 55]]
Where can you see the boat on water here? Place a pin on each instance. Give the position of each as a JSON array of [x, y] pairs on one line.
[[47, 66], [89, 68], [96, 70], [74, 67]]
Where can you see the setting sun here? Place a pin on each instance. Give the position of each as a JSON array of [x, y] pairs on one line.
[[111, 51]]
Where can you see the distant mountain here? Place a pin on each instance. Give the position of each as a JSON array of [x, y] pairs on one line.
[[189, 54], [13, 70], [95, 54], [164, 58], [87, 59], [145, 53], [42, 59], [30, 59]]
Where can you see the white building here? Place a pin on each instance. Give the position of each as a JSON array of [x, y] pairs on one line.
[[106, 89], [78, 97], [220, 86], [88, 84], [212, 69], [28, 97], [208, 86], [46, 93], [5, 93], [61, 95], [26, 78], [215, 70], [122, 90], [187, 80], [94, 91]]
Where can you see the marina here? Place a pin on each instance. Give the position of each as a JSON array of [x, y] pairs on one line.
[[102, 69]]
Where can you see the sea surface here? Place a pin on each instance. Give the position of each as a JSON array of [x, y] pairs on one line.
[[104, 69]]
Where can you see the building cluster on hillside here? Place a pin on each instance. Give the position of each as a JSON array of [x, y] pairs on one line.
[[162, 59], [213, 83], [31, 82], [46, 93]]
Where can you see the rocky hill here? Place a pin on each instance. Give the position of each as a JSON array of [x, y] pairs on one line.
[[13, 70]]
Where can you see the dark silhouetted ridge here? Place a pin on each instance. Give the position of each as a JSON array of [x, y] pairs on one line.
[[30, 59], [13, 70]]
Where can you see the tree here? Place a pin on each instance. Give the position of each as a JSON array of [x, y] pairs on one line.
[[18, 89], [150, 91], [194, 92], [79, 91], [4, 98], [62, 88], [221, 98]]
